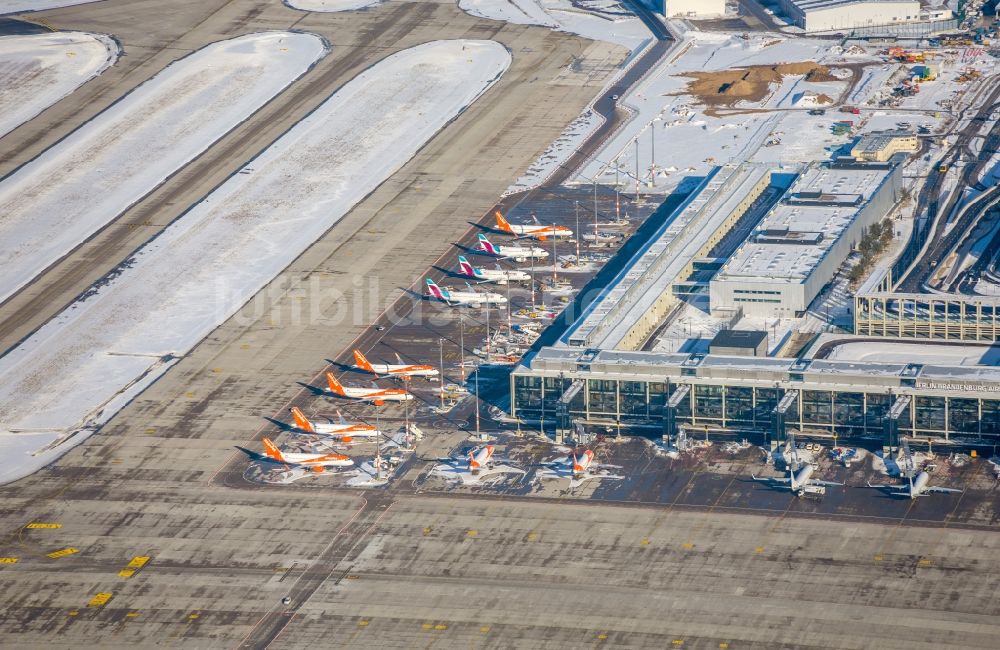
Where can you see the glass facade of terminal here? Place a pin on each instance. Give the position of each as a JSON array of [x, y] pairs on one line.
[[746, 407]]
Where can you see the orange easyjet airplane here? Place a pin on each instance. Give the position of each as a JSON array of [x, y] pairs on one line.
[[396, 370], [537, 231], [377, 396], [315, 462], [343, 432]]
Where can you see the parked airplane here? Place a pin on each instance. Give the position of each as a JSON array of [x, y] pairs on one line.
[[799, 481], [916, 486], [315, 462], [396, 370], [516, 253], [537, 231], [458, 298], [343, 432], [375, 395], [498, 275], [582, 462], [480, 458]]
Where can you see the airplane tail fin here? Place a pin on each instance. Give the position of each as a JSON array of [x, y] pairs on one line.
[[486, 245], [473, 463], [335, 386], [436, 291], [467, 268], [361, 362], [272, 451], [301, 421], [502, 223]]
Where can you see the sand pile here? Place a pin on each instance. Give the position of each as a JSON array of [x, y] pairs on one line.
[[751, 83]]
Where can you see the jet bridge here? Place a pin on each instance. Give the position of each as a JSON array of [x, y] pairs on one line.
[[890, 438], [778, 417]]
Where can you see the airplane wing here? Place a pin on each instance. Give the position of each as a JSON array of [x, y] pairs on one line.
[[932, 488], [256, 455], [827, 483], [767, 479]]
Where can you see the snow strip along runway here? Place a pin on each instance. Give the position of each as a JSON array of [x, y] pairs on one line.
[[38, 70], [85, 364], [58, 200]]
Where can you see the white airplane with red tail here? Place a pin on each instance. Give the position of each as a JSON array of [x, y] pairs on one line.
[[480, 458], [391, 369], [343, 432], [538, 231], [375, 395], [498, 275], [314, 462]]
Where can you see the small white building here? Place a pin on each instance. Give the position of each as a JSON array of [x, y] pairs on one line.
[[693, 8], [829, 15]]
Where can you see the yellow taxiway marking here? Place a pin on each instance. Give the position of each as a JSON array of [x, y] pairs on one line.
[[151, 430], [63, 552], [8, 560], [923, 562], [362, 623], [100, 599], [39, 524], [484, 629], [138, 561], [878, 558], [677, 642], [724, 645], [193, 615], [602, 636], [759, 549], [427, 626], [472, 533], [532, 537], [687, 546], [427, 531], [73, 612], [132, 614], [126, 573]]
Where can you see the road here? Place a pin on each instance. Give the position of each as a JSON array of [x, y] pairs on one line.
[[930, 196]]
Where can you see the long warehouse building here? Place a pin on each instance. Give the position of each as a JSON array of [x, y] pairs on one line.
[[833, 15]]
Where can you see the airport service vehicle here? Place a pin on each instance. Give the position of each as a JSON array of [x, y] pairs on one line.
[[480, 458], [375, 395], [344, 431], [458, 298], [392, 369], [537, 231], [516, 253], [314, 462], [498, 275]]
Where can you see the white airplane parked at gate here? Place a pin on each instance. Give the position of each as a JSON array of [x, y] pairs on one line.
[[470, 298], [578, 468], [344, 432], [798, 481], [498, 275], [314, 462], [394, 370], [375, 395], [516, 253], [537, 231], [916, 486]]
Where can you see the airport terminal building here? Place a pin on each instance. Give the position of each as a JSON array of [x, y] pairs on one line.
[[739, 393]]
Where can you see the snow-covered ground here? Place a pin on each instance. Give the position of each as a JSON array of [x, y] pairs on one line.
[[37, 70], [925, 353], [599, 20], [330, 5], [212, 260], [20, 6], [56, 201], [559, 151]]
